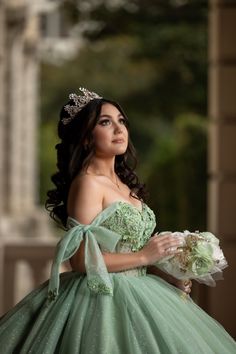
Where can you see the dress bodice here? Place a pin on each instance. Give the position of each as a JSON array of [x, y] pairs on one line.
[[121, 227], [135, 226]]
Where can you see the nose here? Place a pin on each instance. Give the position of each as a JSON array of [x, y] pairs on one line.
[[117, 128]]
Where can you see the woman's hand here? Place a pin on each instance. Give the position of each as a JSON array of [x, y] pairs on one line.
[[159, 247], [184, 285]]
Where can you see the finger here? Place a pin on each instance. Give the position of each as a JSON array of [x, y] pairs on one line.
[[188, 287], [165, 240], [164, 233], [187, 282], [187, 291], [165, 237], [172, 251], [171, 243], [169, 236]]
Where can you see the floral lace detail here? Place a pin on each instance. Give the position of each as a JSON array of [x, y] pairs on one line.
[[97, 287], [134, 225]]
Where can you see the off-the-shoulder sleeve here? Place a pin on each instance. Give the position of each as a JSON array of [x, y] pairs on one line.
[[94, 234]]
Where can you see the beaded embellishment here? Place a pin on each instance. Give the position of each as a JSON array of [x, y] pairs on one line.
[[80, 101]]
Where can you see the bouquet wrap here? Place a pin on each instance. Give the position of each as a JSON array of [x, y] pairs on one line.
[[201, 258]]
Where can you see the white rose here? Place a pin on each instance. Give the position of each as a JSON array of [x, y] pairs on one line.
[[218, 256]]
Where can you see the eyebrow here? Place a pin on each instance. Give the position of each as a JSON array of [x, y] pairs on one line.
[[109, 116]]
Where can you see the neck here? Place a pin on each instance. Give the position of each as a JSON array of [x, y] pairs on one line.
[[101, 166]]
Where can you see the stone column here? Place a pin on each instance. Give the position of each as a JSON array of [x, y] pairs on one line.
[[2, 122], [30, 112], [15, 115], [2, 104], [23, 224], [220, 301], [19, 111]]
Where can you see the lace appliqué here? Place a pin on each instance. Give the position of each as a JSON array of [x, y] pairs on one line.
[[100, 288], [133, 225]]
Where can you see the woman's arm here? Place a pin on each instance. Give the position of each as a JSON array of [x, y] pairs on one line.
[[85, 201], [115, 262]]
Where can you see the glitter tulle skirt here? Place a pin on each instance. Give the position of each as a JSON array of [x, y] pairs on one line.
[[145, 315]]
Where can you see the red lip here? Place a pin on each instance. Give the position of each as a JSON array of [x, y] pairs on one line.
[[118, 141]]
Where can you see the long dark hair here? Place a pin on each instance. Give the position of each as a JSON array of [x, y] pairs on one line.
[[73, 155]]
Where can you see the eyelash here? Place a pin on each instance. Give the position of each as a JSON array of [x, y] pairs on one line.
[[104, 121]]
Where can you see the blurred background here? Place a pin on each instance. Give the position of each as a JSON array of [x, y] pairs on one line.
[[171, 64]]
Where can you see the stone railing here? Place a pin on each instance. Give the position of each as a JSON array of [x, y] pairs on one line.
[[27, 247], [35, 256]]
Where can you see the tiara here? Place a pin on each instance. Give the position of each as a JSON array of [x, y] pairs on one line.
[[79, 103]]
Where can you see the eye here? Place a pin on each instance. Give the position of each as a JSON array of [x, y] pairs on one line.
[[104, 122], [122, 121]]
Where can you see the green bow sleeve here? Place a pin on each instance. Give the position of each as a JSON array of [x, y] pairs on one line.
[[94, 234]]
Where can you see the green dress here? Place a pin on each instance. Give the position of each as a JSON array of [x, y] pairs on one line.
[[129, 312]]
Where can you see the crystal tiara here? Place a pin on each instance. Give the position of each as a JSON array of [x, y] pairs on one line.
[[80, 101]]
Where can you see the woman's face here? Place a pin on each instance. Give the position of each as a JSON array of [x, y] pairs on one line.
[[110, 133]]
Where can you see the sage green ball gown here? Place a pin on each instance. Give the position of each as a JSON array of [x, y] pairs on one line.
[[129, 312]]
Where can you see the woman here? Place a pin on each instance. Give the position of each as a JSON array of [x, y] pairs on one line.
[[108, 303]]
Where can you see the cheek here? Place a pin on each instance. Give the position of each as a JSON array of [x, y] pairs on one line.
[[100, 138], [99, 134]]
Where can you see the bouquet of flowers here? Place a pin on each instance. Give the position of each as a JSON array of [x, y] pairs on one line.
[[201, 258]]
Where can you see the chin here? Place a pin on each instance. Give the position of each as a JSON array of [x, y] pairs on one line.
[[120, 151]]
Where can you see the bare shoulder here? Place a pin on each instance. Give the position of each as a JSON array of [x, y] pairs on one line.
[[85, 198]]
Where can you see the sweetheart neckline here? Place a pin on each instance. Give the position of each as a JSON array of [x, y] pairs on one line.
[[125, 202], [110, 206]]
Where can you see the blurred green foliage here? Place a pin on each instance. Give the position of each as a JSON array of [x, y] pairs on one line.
[[151, 57], [177, 177]]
